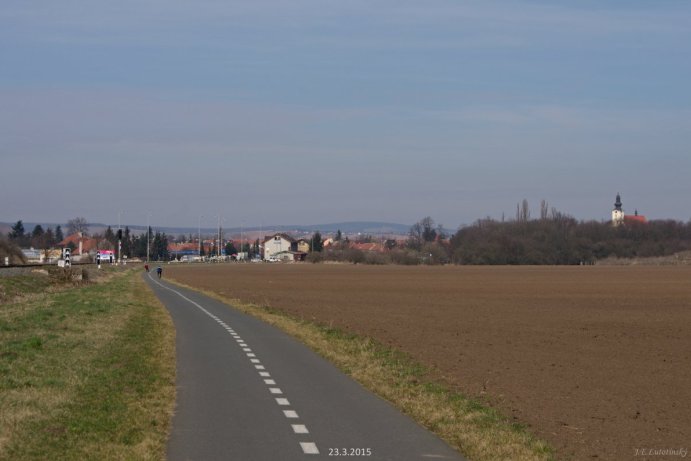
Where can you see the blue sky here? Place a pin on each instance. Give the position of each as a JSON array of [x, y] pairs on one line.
[[317, 111]]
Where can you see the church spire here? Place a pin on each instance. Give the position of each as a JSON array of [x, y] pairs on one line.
[[617, 212], [617, 203]]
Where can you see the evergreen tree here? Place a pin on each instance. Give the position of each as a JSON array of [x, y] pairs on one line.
[[110, 237], [38, 231], [316, 243], [230, 249], [59, 237], [17, 232], [138, 248], [50, 238], [127, 243], [37, 237], [159, 247]]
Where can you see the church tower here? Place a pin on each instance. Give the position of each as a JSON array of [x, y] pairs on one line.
[[617, 212]]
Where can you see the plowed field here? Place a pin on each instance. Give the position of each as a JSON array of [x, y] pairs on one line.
[[596, 360]]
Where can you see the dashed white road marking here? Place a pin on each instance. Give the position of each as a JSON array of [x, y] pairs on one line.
[[309, 448], [300, 429]]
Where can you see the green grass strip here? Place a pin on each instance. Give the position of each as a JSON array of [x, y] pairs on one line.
[[11, 287], [87, 373]]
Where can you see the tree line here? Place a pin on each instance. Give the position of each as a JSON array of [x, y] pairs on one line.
[[552, 238], [557, 238], [131, 245], [38, 238]]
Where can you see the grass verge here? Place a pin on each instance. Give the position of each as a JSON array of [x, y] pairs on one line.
[[86, 373], [474, 429]]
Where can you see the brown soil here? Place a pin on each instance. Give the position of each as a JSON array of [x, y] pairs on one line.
[[596, 360]]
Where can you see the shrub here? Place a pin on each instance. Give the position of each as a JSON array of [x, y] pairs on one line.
[[9, 250]]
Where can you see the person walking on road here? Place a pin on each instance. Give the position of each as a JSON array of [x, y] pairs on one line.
[[159, 271], [146, 267]]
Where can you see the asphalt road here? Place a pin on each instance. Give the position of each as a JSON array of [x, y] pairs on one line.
[[247, 391]]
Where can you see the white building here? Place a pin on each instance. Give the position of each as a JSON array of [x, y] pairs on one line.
[[276, 244], [617, 212]]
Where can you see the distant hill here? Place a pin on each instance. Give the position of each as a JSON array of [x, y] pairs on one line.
[[354, 227], [349, 228]]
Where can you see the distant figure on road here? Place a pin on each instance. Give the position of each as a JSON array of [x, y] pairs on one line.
[[146, 267], [159, 271]]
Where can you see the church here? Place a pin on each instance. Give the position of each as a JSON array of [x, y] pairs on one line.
[[619, 217]]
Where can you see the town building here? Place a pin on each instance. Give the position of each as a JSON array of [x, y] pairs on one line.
[[278, 246]]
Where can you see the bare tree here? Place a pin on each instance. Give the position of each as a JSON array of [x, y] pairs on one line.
[[523, 211], [10, 250], [544, 209], [77, 225]]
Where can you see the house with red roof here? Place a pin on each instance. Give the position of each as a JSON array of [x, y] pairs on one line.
[[85, 245], [372, 246]]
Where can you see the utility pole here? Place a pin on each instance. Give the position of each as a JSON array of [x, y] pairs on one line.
[[119, 238], [200, 235], [218, 251], [148, 235]]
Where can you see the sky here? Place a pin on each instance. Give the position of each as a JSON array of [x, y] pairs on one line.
[[320, 111]]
